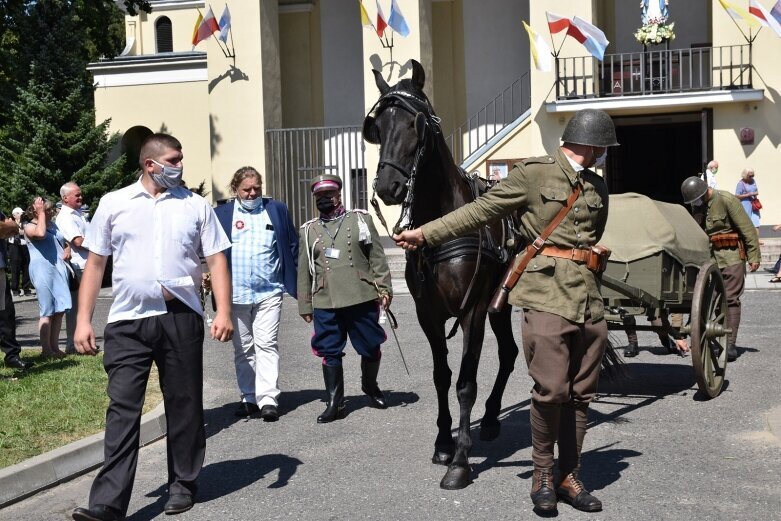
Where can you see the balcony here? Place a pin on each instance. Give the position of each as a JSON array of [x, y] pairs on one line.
[[654, 73]]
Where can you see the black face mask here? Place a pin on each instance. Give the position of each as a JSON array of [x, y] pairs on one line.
[[325, 204]]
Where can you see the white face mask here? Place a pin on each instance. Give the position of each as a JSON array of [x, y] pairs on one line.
[[249, 204], [600, 162], [697, 202], [169, 177]]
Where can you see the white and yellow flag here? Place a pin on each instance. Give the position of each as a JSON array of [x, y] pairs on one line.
[[541, 53]]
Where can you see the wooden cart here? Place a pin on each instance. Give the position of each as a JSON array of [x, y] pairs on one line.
[[661, 264]]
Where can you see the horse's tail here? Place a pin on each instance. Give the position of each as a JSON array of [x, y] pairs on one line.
[[613, 365]]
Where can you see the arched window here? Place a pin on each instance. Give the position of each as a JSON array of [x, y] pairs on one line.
[[164, 35]]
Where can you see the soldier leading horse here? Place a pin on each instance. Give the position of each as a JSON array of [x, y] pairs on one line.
[[456, 279]]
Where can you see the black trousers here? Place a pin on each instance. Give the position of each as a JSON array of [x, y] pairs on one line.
[[174, 341], [20, 264], [8, 343]]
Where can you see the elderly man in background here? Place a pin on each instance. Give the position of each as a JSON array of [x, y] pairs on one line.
[[710, 173], [73, 226]]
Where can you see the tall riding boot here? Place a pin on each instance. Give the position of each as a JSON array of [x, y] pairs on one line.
[[572, 431], [630, 325], [733, 322], [334, 386], [544, 421], [369, 371]]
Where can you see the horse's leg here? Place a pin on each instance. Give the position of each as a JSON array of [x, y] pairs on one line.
[[434, 329], [458, 474], [501, 323]]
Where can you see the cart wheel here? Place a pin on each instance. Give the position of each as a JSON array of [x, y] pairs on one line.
[[709, 330]]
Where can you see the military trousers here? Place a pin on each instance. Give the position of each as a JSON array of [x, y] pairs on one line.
[[734, 283], [360, 322], [564, 359]]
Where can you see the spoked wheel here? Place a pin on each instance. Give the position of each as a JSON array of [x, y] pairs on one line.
[[709, 331]]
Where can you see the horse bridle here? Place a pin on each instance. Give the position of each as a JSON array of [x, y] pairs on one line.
[[424, 120]]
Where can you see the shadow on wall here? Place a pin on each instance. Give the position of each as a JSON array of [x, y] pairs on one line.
[[233, 73]]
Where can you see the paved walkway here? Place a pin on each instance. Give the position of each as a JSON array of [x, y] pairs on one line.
[[650, 438]]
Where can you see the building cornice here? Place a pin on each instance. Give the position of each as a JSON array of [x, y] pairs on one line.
[[150, 70], [677, 99], [173, 5]]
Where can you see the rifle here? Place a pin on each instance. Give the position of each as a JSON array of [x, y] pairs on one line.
[[516, 268]]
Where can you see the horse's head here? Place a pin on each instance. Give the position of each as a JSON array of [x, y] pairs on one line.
[[402, 122]]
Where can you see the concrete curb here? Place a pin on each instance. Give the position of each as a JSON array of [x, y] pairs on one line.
[[24, 479]]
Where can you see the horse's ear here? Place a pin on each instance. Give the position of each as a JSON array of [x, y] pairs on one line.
[[380, 81], [418, 75]]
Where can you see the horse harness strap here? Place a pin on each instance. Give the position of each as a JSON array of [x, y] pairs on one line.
[[457, 248]]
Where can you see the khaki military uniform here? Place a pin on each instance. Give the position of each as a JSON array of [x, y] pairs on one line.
[[723, 213], [349, 278], [564, 334]]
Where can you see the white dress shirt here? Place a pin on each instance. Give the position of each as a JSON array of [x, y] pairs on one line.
[[156, 244], [73, 224]]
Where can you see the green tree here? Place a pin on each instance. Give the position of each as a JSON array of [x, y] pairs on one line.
[[50, 136]]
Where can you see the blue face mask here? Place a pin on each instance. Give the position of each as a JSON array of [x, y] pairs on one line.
[[249, 204], [169, 177]]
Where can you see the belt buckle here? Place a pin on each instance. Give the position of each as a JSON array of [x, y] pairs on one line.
[[538, 243]]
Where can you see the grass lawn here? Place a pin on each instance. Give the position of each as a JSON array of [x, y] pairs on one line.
[[54, 403]]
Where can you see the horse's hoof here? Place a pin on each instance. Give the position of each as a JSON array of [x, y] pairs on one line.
[[441, 457], [489, 431], [456, 478]]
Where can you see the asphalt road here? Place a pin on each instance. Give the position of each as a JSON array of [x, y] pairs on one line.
[[655, 449]]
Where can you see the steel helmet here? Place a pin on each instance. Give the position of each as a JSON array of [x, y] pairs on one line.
[[693, 188], [591, 127], [325, 182]]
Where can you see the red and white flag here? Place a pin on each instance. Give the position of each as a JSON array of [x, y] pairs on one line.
[[207, 27], [381, 23], [764, 16], [557, 23]]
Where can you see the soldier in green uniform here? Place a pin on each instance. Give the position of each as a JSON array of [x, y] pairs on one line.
[[734, 241], [564, 334], [343, 278]]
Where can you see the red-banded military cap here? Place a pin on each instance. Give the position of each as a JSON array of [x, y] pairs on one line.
[[325, 182]]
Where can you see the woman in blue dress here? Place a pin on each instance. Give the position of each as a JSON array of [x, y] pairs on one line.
[[48, 273], [747, 192]]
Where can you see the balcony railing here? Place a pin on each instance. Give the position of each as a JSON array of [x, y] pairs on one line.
[[655, 72]]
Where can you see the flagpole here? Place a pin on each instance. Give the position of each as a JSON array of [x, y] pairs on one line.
[[233, 46], [748, 40]]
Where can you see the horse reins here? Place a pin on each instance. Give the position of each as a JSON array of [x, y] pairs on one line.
[[403, 102]]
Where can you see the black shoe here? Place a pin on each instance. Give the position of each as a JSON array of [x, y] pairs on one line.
[[17, 363], [542, 494], [178, 503], [631, 350], [97, 513], [572, 491], [269, 413], [732, 354], [246, 409]]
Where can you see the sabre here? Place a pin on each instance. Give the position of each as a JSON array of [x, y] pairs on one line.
[[393, 324]]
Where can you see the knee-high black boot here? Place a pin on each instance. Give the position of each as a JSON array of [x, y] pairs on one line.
[[333, 376], [369, 371]]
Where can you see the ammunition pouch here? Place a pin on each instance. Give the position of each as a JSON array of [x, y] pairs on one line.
[[722, 241]]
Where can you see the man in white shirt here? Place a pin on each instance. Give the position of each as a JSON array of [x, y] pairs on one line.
[[710, 173], [157, 231], [73, 226]]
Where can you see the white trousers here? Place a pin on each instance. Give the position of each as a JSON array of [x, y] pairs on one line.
[[256, 350]]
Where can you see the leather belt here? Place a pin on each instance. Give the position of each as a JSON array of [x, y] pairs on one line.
[[576, 254]]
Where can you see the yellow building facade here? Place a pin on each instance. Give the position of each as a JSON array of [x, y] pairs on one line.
[[288, 91]]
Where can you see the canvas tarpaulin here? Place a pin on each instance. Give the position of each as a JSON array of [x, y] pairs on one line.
[[638, 226]]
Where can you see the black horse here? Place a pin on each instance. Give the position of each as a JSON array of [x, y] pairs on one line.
[[456, 279]]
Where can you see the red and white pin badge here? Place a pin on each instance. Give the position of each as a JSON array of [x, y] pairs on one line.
[[239, 225]]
